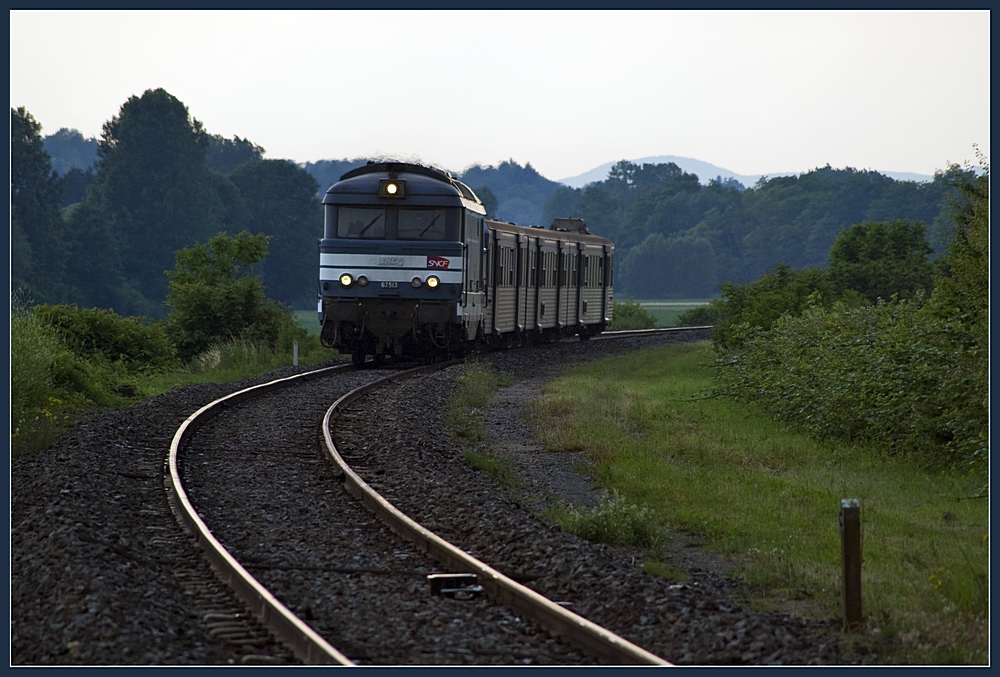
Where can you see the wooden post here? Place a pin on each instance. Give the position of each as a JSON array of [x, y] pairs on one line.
[[295, 354], [850, 556]]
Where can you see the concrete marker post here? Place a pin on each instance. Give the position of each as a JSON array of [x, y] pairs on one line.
[[850, 556]]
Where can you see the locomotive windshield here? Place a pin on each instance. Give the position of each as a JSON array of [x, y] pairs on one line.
[[421, 224], [394, 223], [361, 222]]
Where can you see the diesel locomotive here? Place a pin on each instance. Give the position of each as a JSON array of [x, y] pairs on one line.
[[410, 265]]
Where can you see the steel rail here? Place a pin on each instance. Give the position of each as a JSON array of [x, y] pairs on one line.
[[307, 645], [624, 333], [585, 634]]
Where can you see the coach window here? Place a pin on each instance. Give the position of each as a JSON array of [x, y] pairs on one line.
[[361, 222]]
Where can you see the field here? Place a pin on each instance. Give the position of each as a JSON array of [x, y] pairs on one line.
[[308, 319], [726, 476], [666, 311]]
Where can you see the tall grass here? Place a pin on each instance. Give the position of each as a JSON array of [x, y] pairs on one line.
[[769, 499], [51, 386], [34, 351]]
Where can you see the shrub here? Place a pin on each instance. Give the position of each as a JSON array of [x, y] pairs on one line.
[[702, 316], [214, 297], [880, 374], [630, 315], [101, 333], [34, 350], [746, 308]]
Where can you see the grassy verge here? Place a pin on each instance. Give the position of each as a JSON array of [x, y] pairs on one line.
[[52, 388], [768, 499], [475, 386]]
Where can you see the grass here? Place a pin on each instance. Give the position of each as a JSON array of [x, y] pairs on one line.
[[666, 311], [234, 361], [52, 389], [476, 383], [768, 499]]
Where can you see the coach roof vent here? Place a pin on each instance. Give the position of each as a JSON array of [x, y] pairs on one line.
[[570, 225]]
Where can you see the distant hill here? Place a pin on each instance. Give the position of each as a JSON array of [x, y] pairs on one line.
[[705, 171]]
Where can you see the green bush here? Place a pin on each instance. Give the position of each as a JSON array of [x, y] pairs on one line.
[[49, 381], [215, 298], [100, 333], [630, 315], [34, 350], [744, 309], [702, 316], [908, 375]]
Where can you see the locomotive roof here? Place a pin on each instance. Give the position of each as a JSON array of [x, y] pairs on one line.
[[424, 186]]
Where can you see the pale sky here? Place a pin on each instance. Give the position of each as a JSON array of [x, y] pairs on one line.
[[754, 92]]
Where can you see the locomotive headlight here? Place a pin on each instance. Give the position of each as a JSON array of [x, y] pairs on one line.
[[346, 279], [416, 282], [391, 188], [362, 280], [433, 282]]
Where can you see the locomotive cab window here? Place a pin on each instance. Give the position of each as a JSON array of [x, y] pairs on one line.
[[422, 224], [361, 222]]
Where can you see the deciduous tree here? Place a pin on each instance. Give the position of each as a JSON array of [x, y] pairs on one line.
[[283, 205], [879, 259], [37, 230], [215, 296]]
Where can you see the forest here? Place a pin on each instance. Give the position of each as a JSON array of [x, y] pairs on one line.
[[97, 222]]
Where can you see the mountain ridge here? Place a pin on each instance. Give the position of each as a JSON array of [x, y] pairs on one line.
[[706, 171]]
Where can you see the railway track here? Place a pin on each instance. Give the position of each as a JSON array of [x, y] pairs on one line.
[[545, 618], [101, 572]]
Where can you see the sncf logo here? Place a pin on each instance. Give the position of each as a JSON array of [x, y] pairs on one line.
[[437, 262]]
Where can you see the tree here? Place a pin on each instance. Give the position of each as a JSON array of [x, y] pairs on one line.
[[744, 309], [76, 181], [284, 206], [155, 191], [521, 192], [565, 202], [37, 230], [488, 199], [215, 296], [879, 259], [691, 267], [70, 149], [224, 155], [644, 268]]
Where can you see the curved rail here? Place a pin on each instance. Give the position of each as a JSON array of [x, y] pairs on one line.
[[308, 646], [621, 333], [574, 628]]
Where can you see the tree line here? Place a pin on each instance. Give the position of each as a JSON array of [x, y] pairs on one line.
[[160, 183], [881, 347], [678, 238], [104, 234]]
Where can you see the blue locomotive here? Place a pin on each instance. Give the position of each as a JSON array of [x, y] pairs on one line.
[[410, 265]]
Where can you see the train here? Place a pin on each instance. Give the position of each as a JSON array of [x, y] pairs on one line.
[[410, 265]]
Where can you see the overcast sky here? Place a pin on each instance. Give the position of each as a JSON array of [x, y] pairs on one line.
[[754, 92]]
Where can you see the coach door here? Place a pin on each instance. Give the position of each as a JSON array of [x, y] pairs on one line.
[[473, 294]]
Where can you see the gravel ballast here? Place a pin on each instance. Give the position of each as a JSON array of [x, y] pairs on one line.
[[94, 545]]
